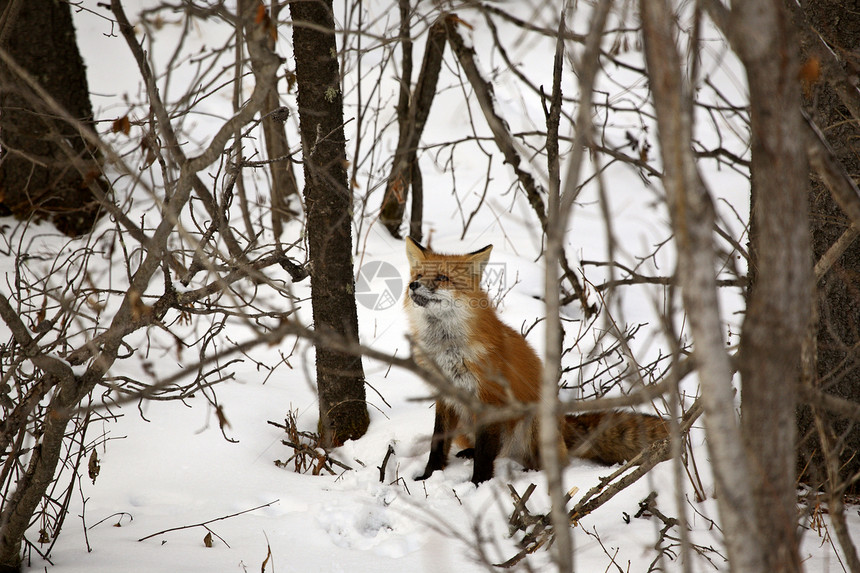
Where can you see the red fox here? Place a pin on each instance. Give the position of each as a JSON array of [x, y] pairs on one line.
[[455, 329]]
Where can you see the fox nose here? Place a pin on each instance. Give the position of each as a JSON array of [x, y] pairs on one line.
[[414, 285]]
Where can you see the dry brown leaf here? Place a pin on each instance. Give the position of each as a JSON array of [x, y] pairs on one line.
[[121, 124], [94, 467], [810, 73]]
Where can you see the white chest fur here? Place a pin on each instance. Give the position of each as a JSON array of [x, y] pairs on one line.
[[443, 336]]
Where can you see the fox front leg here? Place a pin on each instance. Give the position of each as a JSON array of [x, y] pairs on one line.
[[487, 445], [440, 443]]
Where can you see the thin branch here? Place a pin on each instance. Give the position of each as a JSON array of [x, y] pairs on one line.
[[208, 521], [504, 140]]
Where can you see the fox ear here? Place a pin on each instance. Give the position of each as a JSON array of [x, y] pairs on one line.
[[415, 253], [481, 257]]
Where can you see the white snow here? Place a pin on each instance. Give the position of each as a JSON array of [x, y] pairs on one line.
[[169, 466]]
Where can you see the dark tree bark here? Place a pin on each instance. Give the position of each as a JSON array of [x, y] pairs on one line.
[[779, 300], [837, 368], [328, 202], [46, 167]]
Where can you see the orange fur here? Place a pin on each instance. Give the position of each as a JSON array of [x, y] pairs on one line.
[[612, 437], [455, 329]]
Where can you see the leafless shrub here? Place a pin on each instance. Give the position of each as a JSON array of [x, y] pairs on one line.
[[309, 454]]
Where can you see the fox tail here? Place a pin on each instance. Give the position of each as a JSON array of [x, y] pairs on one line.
[[611, 437]]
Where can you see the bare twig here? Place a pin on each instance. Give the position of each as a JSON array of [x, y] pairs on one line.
[[388, 455], [208, 521]]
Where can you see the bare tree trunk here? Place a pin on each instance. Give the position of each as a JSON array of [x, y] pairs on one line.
[[46, 167], [780, 295], [693, 216], [328, 200]]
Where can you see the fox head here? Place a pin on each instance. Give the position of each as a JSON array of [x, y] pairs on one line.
[[437, 279]]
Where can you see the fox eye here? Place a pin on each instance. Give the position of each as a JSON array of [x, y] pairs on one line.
[[442, 278]]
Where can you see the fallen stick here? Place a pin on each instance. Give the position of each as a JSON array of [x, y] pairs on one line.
[[207, 522]]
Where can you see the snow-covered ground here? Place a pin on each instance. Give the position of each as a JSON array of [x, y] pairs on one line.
[[168, 473]]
